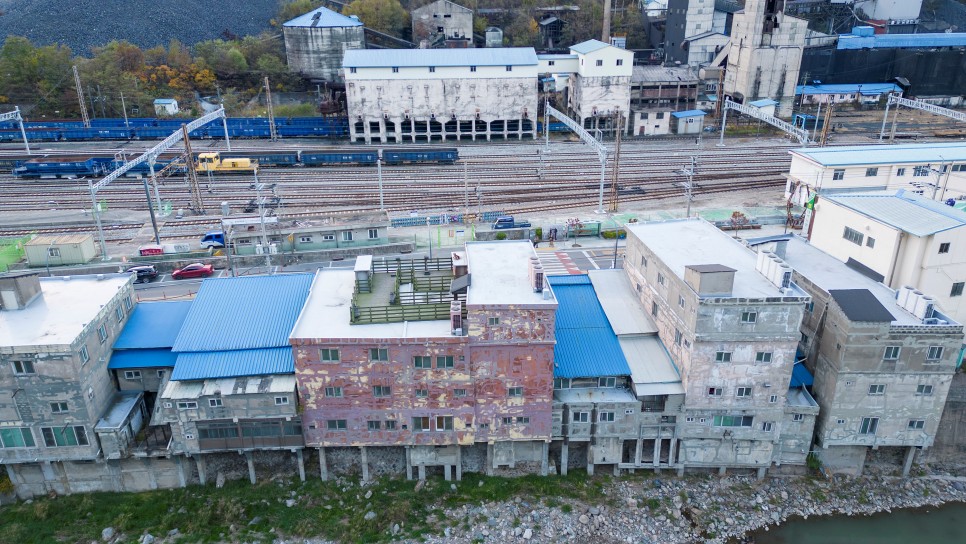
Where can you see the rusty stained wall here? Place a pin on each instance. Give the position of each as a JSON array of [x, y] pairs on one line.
[[515, 353]]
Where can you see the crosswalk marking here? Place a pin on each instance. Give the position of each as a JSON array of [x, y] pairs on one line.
[[557, 263]]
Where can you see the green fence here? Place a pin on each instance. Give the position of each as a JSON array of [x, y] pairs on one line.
[[11, 251]]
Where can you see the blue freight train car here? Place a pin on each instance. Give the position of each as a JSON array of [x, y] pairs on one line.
[[400, 156], [62, 167], [325, 158]]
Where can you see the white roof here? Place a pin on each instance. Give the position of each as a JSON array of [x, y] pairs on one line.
[[623, 308], [902, 210], [68, 304], [493, 56], [593, 394], [652, 370], [500, 274], [326, 314], [684, 242], [861, 155], [229, 386]]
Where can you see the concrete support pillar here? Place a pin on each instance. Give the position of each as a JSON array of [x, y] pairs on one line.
[[365, 463], [656, 458], [459, 452], [545, 459], [617, 470], [301, 462], [323, 468], [672, 455], [250, 457], [422, 472], [114, 469], [152, 475], [409, 463], [762, 472], [202, 468], [182, 478], [681, 471], [447, 472], [489, 460], [907, 466], [638, 451], [722, 471], [564, 458], [590, 460]]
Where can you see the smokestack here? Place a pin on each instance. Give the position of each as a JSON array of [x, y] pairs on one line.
[[605, 33]]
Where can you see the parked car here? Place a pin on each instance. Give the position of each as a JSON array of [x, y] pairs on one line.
[[145, 274], [194, 270]]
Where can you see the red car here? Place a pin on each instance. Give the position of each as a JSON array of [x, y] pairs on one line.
[[196, 270]]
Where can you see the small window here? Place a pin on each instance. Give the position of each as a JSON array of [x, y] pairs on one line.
[[689, 420], [395, 69], [599, 62], [336, 425], [643, 261], [187, 405], [551, 62], [509, 68], [63, 436], [900, 172], [352, 70], [330, 392], [459, 392], [920, 171], [215, 403], [421, 424], [853, 236], [891, 353], [944, 247], [934, 354], [581, 417], [53, 252], [305, 239], [444, 361], [917, 424], [660, 278], [160, 374], [773, 399], [678, 337], [957, 290], [472, 68], [58, 407], [767, 426], [132, 374], [838, 175], [798, 417], [620, 62], [390, 425], [749, 317], [870, 242], [119, 314], [869, 425], [17, 437], [432, 69], [609, 381], [493, 321], [102, 333], [871, 172], [681, 301], [85, 356], [90, 393], [722, 357], [877, 389], [329, 355], [714, 391], [422, 393], [444, 423], [373, 234], [379, 354], [743, 393], [282, 401], [923, 390], [606, 417], [328, 237], [561, 383], [347, 236], [381, 391], [22, 367], [373, 425], [763, 357], [654, 309], [514, 391], [840, 422], [523, 420], [507, 420], [422, 361]]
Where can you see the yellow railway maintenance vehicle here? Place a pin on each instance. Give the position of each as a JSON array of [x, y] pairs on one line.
[[212, 162]]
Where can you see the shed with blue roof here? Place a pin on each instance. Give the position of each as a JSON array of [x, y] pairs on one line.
[[689, 121], [315, 41]]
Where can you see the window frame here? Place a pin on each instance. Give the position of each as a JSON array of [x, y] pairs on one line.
[[897, 350], [957, 289], [373, 234], [749, 317], [764, 357], [877, 389], [282, 400], [722, 356], [944, 247], [934, 354], [447, 423], [916, 425], [838, 174], [606, 416], [77, 432], [378, 355], [187, 405], [924, 390], [330, 392], [852, 235], [423, 362], [325, 355], [869, 426], [216, 402], [336, 425], [26, 436], [132, 375], [872, 172], [744, 392], [26, 368], [381, 391], [59, 407], [514, 392], [448, 361]]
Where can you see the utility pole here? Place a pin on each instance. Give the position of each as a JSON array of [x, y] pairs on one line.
[[688, 171], [80, 99], [273, 133], [197, 202], [90, 97], [617, 157], [827, 124], [720, 94], [261, 219], [124, 109], [100, 99]]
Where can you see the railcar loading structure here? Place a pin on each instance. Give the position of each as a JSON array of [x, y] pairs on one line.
[[917, 105], [757, 113]]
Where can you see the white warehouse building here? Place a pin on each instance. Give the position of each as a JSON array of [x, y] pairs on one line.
[[412, 95], [601, 85]]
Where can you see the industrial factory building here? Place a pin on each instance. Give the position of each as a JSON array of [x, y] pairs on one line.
[[316, 41]]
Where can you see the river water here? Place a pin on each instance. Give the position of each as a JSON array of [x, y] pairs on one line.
[[934, 525]]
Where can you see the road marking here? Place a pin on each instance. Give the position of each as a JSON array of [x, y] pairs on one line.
[[591, 259]]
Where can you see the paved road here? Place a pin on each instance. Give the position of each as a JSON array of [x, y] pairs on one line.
[[565, 259]]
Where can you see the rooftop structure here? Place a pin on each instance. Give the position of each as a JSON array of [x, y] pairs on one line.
[[500, 274], [316, 41], [148, 336], [865, 89], [860, 155], [903, 210], [902, 41], [421, 58], [322, 18]]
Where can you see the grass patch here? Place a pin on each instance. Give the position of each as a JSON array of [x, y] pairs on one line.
[[332, 510]]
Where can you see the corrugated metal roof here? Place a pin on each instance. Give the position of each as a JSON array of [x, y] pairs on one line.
[[624, 310], [200, 365], [763, 102], [326, 19], [229, 386], [801, 377], [867, 89], [660, 74], [688, 113], [494, 56], [58, 239], [243, 313], [121, 408], [652, 370], [586, 344], [855, 155], [588, 46], [142, 358], [164, 101], [153, 325], [941, 39], [903, 210]]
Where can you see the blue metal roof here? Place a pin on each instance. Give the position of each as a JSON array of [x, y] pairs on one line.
[[142, 358], [164, 101], [801, 377], [230, 364], [588, 46], [763, 102], [494, 56], [586, 344], [244, 313], [871, 155], [940, 39], [326, 19], [688, 113], [867, 89], [153, 325]]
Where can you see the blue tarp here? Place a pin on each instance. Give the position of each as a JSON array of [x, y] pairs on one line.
[[801, 377]]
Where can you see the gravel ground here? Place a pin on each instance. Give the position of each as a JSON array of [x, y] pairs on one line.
[[83, 24]]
